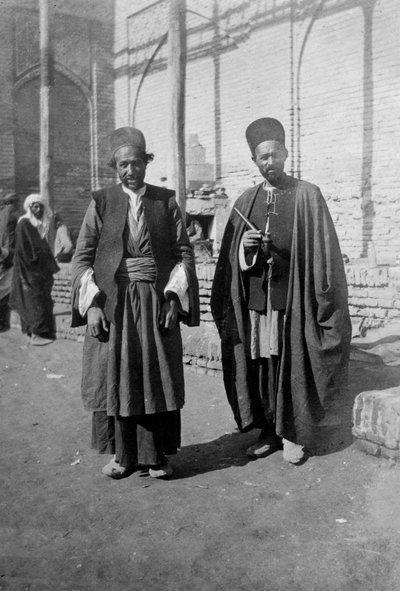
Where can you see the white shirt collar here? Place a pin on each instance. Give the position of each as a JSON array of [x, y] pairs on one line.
[[134, 194], [134, 201]]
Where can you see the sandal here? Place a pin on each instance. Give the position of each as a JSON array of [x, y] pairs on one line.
[[161, 470], [264, 447], [114, 470], [293, 453]]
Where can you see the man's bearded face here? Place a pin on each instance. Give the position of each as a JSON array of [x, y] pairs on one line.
[[270, 158], [131, 167]]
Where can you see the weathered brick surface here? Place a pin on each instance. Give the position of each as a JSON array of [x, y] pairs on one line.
[[82, 101], [336, 93], [7, 146]]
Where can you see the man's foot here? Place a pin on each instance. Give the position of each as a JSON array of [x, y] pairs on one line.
[[161, 470], [114, 470], [266, 446], [293, 453], [38, 341]]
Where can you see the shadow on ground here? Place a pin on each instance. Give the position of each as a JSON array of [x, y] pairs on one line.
[[224, 452], [374, 365]]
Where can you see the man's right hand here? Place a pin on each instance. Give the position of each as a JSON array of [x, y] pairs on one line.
[[252, 239], [97, 323]]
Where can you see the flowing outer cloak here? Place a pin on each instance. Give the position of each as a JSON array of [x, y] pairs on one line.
[[32, 282], [169, 244], [311, 395], [8, 222]]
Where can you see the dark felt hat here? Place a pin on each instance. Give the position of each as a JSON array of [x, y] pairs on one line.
[[264, 130], [126, 136]]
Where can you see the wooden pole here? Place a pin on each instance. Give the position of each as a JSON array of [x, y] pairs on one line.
[[46, 83], [177, 75]]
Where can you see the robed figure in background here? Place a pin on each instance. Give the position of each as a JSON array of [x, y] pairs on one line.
[[8, 222], [34, 267]]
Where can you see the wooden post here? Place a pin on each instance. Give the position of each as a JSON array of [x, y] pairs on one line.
[[177, 74], [46, 82]]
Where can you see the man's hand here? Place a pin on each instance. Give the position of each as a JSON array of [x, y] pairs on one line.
[[97, 323], [252, 239], [169, 314]]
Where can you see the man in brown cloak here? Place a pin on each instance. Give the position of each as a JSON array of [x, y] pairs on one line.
[[134, 279], [279, 300]]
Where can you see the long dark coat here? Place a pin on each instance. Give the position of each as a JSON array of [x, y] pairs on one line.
[[169, 244], [311, 394]]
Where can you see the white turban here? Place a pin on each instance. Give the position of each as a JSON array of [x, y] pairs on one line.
[[43, 224]]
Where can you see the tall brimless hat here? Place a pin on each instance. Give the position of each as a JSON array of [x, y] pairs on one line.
[[126, 136], [264, 130]]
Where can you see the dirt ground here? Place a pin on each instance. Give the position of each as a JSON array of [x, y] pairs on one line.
[[221, 522]]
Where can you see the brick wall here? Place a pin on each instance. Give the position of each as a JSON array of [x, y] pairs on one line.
[[82, 100], [7, 168], [332, 76], [374, 300], [374, 293]]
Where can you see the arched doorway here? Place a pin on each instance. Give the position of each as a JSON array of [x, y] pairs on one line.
[[71, 151]]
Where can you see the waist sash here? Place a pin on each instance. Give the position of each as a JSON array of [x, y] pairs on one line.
[[136, 269]]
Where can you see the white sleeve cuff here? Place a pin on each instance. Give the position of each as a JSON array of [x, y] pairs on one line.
[[178, 284], [87, 290], [242, 259]]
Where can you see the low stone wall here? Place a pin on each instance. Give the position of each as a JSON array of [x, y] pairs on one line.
[[61, 293], [374, 300], [205, 274], [374, 294]]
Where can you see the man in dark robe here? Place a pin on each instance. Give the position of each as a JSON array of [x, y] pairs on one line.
[[279, 300], [34, 267], [8, 222], [134, 280]]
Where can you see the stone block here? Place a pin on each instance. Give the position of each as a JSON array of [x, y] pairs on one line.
[[350, 274], [376, 417], [372, 313], [206, 271], [357, 278], [370, 448], [203, 284], [370, 302], [385, 303], [212, 372], [204, 291], [390, 454], [214, 365], [207, 317], [214, 349]]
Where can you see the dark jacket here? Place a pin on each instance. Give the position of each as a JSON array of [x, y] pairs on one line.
[[169, 244]]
